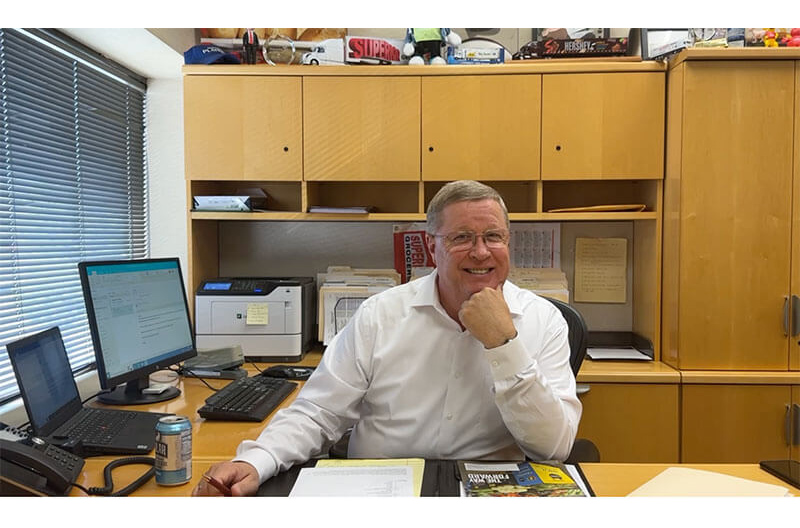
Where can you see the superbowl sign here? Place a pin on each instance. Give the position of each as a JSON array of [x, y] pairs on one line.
[[367, 50]]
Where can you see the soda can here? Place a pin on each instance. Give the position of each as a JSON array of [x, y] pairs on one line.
[[173, 450]]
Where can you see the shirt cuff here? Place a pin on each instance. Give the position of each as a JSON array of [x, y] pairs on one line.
[[258, 458], [508, 359]]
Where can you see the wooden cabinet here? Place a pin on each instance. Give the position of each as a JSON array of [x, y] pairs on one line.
[[361, 128], [730, 270], [739, 423], [243, 128], [632, 422], [631, 410], [481, 127], [603, 126]]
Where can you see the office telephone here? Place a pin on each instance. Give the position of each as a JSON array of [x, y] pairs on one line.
[[34, 467]]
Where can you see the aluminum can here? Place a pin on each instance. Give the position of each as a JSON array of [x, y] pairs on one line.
[[173, 450]]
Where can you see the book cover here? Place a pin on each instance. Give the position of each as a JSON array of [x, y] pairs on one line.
[[410, 250], [517, 479]]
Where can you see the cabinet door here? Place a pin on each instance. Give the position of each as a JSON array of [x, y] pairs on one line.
[[243, 128], [481, 127], [734, 423], [361, 128], [603, 126], [735, 214], [632, 422]]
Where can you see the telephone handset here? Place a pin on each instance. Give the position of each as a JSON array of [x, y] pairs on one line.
[[37, 469]]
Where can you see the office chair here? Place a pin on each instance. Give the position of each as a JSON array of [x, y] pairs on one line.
[[583, 450]]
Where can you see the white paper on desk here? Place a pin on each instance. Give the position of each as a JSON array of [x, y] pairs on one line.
[[381, 481], [617, 353], [689, 482]]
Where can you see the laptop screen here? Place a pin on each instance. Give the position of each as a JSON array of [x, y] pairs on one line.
[[45, 380]]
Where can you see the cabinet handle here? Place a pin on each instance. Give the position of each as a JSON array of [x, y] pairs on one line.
[[795, 315], [786, 316], [286, 149], [430, 149], [558, 148], [796, 434], [582, 388], [787, 424]]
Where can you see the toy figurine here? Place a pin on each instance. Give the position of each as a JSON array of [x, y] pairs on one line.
[[769, 38], [427, 42], [250, 44]]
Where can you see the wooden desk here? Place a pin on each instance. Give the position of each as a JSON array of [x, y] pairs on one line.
[[607, 480], [214, 441]]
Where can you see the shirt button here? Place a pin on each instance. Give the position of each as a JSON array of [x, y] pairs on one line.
[[449, 416], [458, 375], [495, 363]]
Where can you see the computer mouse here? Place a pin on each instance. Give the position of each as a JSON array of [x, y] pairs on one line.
[[289, 372]]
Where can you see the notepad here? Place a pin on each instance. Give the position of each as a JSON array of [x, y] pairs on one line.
[[687, 482]]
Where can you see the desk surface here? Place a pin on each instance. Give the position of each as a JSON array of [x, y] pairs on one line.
[[216, 441], [607, 480]]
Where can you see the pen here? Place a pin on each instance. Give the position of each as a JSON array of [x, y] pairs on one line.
[[225, 490]]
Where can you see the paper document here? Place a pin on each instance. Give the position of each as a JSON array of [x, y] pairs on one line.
[[354, 481], [687, 482], [417, 466], [626, 352], [600, 274], [257, 314], [535, 245]]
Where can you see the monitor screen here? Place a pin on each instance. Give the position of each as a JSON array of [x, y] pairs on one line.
[[139, 320]]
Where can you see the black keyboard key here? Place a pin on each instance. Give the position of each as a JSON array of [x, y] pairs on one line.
[[247, 399]]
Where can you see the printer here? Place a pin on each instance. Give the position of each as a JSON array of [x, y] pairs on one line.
[[271, 318]]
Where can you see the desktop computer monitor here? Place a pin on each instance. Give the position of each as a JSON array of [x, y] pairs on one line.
[[139, 321]]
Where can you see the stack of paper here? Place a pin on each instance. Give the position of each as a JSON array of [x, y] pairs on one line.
[[548, 282], [342, 289]]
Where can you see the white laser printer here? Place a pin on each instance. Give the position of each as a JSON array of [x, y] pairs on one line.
[[272, 318]]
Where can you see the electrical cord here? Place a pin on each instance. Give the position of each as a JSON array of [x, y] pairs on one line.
[[184, 372], [107, 490]]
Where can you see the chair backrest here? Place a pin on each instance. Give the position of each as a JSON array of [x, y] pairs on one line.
[[578, 333]]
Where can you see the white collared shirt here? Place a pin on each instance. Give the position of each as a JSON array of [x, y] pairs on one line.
[[415, 385]]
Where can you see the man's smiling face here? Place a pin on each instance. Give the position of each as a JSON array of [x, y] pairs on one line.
[[462, 272]]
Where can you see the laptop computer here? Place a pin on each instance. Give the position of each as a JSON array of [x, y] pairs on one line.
[[54, 407]]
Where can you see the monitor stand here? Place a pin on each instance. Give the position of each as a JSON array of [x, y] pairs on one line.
[[132, 394]]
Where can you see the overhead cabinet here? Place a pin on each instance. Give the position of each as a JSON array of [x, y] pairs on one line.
[[361, 128], [243, 128], [481, 127], [607, 126]]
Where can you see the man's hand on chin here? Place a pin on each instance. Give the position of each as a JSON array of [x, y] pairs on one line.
[[485, 314]]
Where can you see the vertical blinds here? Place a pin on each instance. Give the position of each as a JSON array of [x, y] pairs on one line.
[[72, 184]]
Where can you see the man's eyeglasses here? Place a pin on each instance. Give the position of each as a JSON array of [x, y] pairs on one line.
[[464, 240]]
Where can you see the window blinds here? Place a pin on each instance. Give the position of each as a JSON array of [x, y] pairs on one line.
[[73, 184]]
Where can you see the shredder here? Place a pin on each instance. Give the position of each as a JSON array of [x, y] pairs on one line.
[[272, 318]]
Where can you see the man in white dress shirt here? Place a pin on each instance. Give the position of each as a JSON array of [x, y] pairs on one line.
[[460, 364]]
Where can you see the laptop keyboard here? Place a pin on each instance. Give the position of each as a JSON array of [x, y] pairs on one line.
[[98, 426]]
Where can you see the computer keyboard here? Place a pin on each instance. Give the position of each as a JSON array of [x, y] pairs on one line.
[[246, 399]]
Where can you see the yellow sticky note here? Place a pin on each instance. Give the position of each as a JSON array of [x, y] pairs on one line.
[[257, 313]]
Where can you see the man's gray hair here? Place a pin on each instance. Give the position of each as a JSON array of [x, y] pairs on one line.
[[460, 191]]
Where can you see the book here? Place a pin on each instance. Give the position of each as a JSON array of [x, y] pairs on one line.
[[517, 479], [411, 254]]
